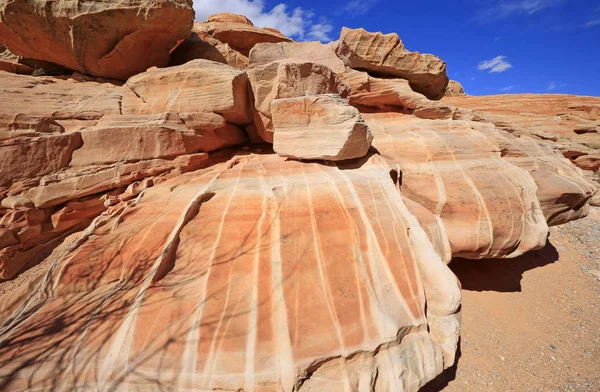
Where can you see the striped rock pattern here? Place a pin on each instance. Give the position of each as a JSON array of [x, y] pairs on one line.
[[495, 194], [174, 255], [256, 273]]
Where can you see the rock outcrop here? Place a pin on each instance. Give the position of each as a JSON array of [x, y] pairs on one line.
[[202, 46], [319, 127], [567, 120], [385, 54], [152, 238], [454, 89], [238, 31], [107, 39], [238, 318], [392, 95], [315, 52], [288, 78], [196, 86]]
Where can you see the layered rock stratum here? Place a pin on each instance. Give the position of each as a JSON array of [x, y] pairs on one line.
[[244, 212]]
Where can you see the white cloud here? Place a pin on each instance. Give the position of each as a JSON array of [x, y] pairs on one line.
[[297, 23], [497, 64], [592, 23], [320, 31], [551, 86], [507, 88], [357, 7], [504, 9]]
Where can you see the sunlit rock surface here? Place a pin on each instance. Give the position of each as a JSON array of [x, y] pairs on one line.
[[108, 39], [274, 223], [252, 273]]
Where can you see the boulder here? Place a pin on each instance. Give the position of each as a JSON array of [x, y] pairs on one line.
[[10, 63], [319, 127], [228, 17], [109, 39], [385, 54], [288, 79], [35, 102], [196, 86], [202, 46], [315, 52], [454, 89], [238, 32], [392, 95], [133, 138], [588, 162]]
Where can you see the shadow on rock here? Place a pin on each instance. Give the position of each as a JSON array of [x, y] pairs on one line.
[[502, 275], [443, 379]]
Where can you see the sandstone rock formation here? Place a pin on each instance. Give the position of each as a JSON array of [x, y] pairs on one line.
[[238, 31], [385, 54], [315, 52], [108, 39], [458, 169], [148, 242], [10, 63], [319, 127], [454, 89], [568, 120], [288, 78], [196, 86], [202, 46], [220, 290], [392, 95]]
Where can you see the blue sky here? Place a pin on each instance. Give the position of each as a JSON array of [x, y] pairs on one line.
[[491, 47]]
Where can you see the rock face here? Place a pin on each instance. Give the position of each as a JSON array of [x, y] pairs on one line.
[[468, 173], [319, 127], [108, 39], [454, 89], [202, 46], [568, 120], [199, 85], [315, 52], [392, 95], [148, 242], [288, 79], [238, 32], [385, 54], [10, 63], [255, 224]]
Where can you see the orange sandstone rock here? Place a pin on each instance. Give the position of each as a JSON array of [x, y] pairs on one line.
[[288, 79], [238, 32], [196, 86], [113, 40], [210, 277], [385, 54], [319, 127]]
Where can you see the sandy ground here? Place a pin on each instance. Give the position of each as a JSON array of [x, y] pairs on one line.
[[532, 323]]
